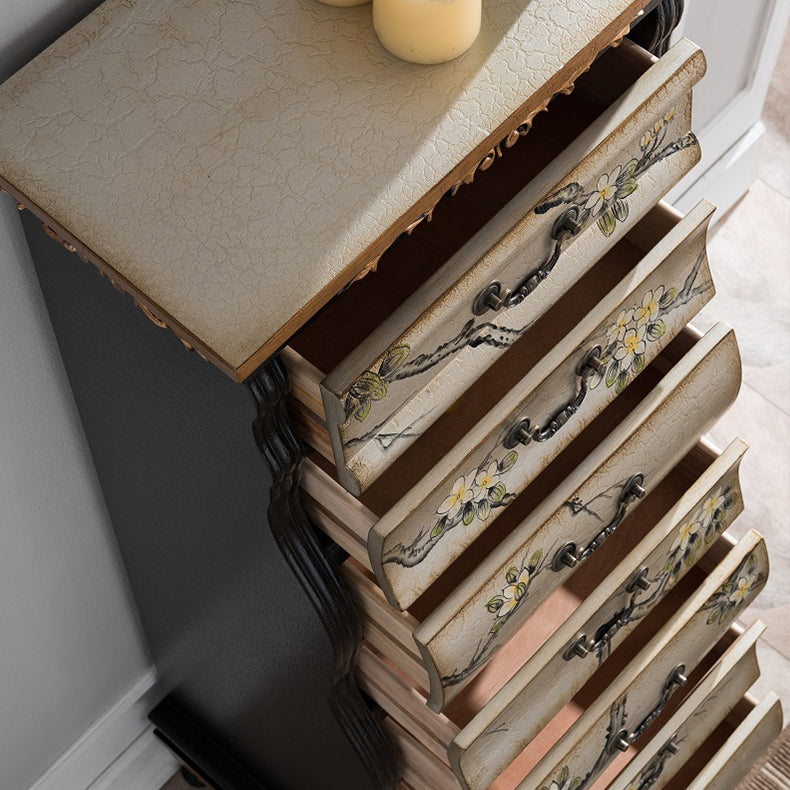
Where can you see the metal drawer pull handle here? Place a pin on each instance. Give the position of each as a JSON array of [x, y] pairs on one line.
[[523, 432], [568, 555], [652, 773], [623, 739], [581, 646], [495, 297]]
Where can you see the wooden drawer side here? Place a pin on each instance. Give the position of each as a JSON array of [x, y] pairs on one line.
[[615, 602], [388, 391], [642, 689]]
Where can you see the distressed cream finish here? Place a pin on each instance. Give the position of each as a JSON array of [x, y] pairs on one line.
[[550, 384], [648, 442], [514, 243], [705, 708], [348, 519], [236, 164], [497, 725], [743, 748], [474, 758], [684, 640]]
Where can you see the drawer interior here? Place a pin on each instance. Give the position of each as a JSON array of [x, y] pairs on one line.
[[505, 374], [702, 756], [576, 588], [560, 604], [567, 598], [412, 259], [379, 497], [478, 693]]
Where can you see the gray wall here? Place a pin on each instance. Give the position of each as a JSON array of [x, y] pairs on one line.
[[70, 648]]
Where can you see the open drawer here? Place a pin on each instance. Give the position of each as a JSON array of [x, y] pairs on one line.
[[716, 706], [559, 537], [463, 476], [728, 754], [710, 742], [625, 593], [448, 302], [639, 694], [639, 686], [475, 609]]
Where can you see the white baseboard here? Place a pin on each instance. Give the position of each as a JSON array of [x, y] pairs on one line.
[[145, 765], [118, 751]]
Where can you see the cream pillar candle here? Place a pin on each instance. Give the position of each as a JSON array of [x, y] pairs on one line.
[[427, 31], [344, 3]]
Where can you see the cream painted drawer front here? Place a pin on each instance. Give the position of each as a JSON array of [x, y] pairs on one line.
[[479, 752], [486, 610], [695, 720], [636, 698], [407, 373], [420, 536], [743, 748]]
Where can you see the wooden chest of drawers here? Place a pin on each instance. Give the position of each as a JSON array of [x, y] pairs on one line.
[[484, 414]]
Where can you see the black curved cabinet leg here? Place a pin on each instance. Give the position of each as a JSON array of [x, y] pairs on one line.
[[317, 574], [655, 28]]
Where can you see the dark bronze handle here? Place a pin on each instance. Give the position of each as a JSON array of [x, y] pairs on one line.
[[523, 432], [655, 768], [619, 740], [495, 297], [623, 739], [569, 556], [582, 645]]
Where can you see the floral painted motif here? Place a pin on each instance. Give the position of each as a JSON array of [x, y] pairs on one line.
[[630, 335], [607, 202], [706, 525], [515, 591], [736, 592], [503, 605], [563, 781], [477, 494], [709, 521], [472, 497], [372, 385]]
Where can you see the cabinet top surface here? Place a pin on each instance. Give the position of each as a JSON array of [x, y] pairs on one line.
[[237, 163]]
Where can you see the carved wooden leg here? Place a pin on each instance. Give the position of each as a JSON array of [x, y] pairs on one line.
[[655, 29], [317, 574]]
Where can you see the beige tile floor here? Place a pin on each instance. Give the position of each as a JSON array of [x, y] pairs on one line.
[[749, 251], [750, 258]]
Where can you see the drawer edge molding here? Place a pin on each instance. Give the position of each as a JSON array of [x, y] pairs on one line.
[[469, 625], [458, 630], [743, 748], [632, 703], [512, 706], [708, 705], [418, 537], [368, 426]]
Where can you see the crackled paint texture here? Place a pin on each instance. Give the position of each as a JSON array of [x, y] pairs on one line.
[[231, 159], [410, 559], [584, 749], [445, 347], [452, 638], [490, 746]]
